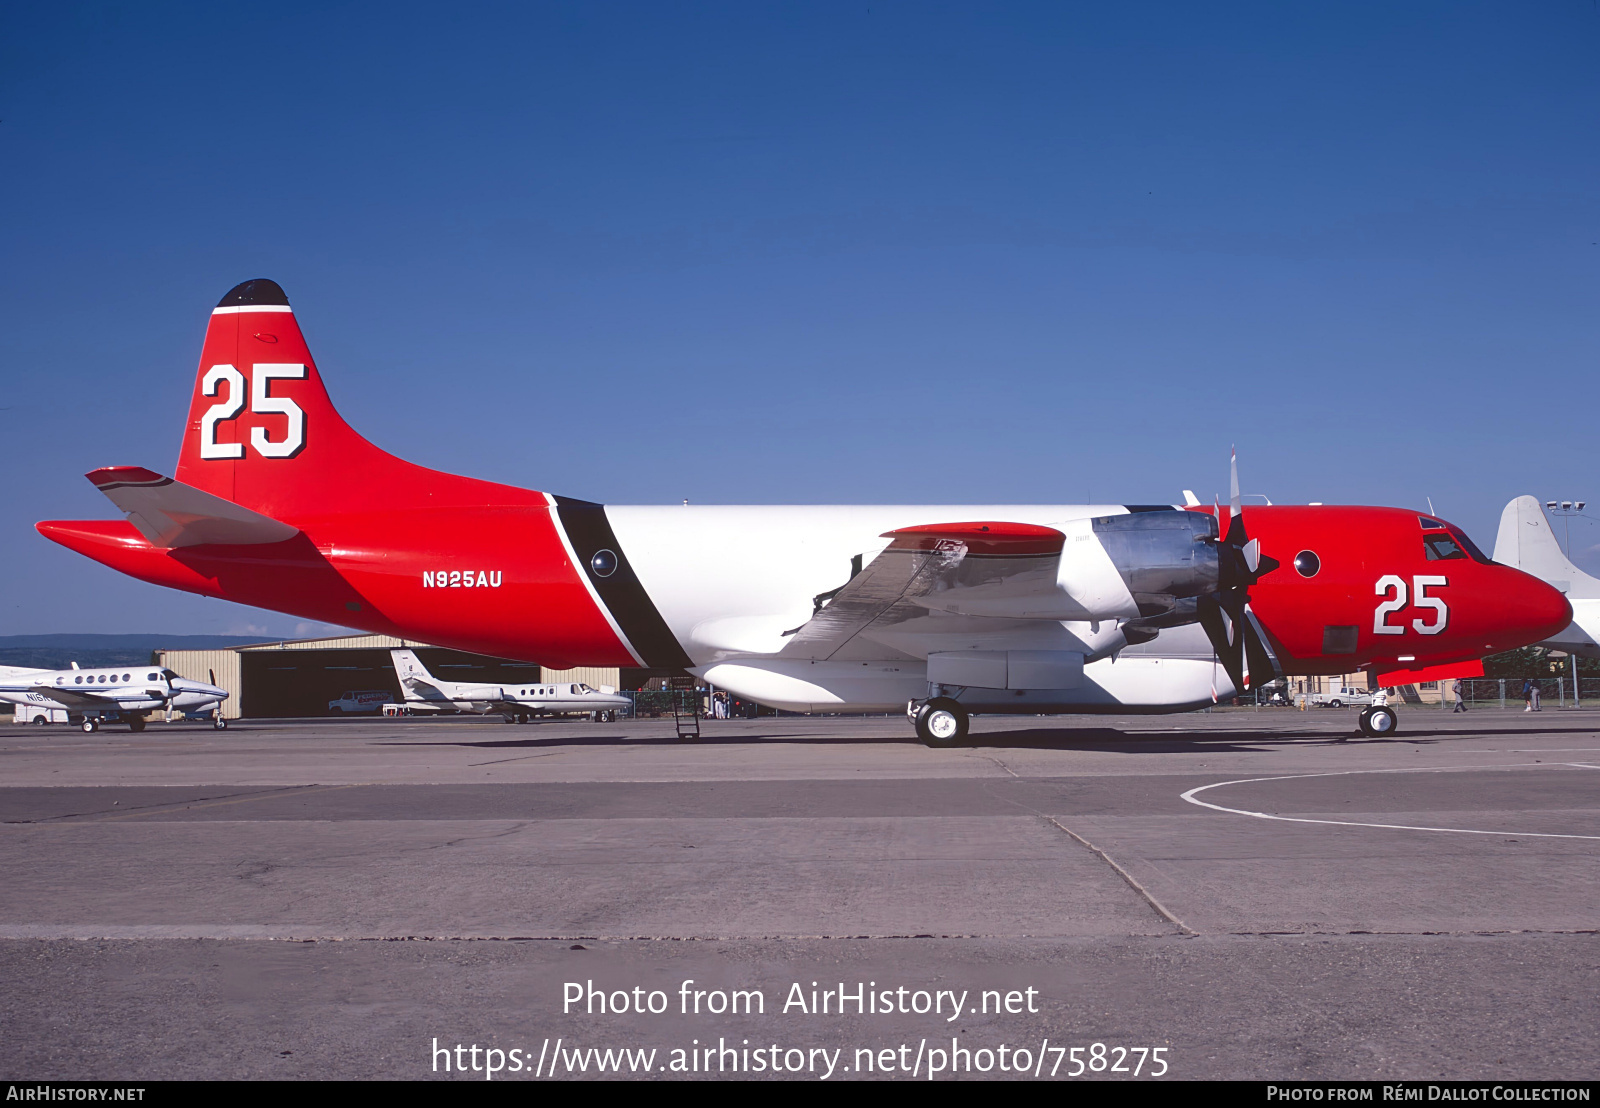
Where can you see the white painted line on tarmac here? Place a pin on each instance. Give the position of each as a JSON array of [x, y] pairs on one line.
[[1190, 797]]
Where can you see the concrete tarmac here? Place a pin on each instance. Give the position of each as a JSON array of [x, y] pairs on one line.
[[1258, 894]]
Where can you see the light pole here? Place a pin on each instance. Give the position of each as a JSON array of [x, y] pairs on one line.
[[1566, 509]]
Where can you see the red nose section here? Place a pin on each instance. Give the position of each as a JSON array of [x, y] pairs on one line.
[[1544, 612]]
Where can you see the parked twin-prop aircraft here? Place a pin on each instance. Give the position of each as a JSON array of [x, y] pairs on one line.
[[946, 610], [92, 696], [426, 693]]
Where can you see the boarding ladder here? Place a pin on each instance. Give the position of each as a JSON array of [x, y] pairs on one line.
[[685, 707]]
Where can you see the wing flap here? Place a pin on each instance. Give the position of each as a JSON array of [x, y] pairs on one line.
[[170, 514]]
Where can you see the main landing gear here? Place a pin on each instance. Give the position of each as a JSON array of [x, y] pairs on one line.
[[939, 722], [1377, 722]]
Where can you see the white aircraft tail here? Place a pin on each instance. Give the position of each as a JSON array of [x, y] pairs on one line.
[[1526, 542], [415, 680], [407, 664]]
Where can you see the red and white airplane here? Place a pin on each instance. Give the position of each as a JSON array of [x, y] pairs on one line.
[[946, 610]]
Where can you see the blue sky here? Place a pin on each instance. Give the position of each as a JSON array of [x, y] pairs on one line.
[[812, 253]]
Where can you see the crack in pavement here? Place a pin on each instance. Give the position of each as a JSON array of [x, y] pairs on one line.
[[1131, 881]]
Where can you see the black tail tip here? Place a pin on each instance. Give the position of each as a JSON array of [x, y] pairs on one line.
[[259, 291]]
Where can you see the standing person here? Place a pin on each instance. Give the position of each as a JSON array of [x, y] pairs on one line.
[[1461, 704], [1527, 694], [1535, 691]]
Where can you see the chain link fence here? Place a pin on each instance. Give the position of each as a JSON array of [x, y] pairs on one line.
[[1509, 692]]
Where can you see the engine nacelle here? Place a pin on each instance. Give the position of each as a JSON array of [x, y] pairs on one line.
[[1147, 567], [1166, 560]]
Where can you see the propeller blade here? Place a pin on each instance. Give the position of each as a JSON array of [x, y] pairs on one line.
[[1218, 625], [1252, 555], [1233, 491], [1261, 663], [211, 675]]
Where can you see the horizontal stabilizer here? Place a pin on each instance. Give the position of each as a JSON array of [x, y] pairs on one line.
[[1526, 542], [170, 514]]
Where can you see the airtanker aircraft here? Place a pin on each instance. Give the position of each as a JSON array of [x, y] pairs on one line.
[[105, 694], [944, 610]]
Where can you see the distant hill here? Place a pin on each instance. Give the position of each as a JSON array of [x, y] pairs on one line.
[[60, 651]]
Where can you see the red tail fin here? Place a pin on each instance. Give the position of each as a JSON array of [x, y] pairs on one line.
[[263, 433]]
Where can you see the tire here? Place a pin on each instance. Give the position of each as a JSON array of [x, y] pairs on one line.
[[1378, 722], [1336, 704], [90, 726], [136, 724], [219, 724], [41, 721], [942, 722]]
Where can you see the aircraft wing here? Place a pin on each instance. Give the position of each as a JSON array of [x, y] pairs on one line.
[[74, 698], [926, 567], [170, 514]]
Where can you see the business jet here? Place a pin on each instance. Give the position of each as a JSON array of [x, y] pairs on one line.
[[90, 697], [946, 610], [1526, 542], [426, 693]]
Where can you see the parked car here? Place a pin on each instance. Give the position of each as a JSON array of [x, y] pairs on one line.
[[367, 700], [1338, 698]]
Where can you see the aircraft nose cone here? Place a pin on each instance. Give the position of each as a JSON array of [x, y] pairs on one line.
[[1542, 609]]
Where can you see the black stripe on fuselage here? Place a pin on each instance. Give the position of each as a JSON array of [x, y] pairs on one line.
[[620, 591]]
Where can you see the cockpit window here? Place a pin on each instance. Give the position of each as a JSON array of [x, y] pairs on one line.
[[169, 675], [1430, 524], [1470, 547], [1442, 548]]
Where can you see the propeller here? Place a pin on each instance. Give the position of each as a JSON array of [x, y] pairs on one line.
[[1236, 634]]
